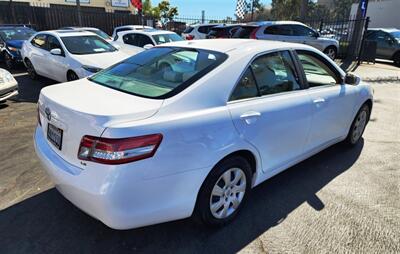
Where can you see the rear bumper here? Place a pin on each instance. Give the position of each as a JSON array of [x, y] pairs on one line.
[[121, 200]]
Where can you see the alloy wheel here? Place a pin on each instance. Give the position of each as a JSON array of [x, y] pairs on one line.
[[228, 193], [359, 126], [331, 53], [31, 70], [71, 76]]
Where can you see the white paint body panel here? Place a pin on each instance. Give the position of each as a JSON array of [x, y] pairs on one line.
[[199, 129]]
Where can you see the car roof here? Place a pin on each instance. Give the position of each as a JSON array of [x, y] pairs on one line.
[[388, 30], [133, 26], [226, 25], [233, 46], [146, 31], [269, 23], [67, 33], [78, 28]]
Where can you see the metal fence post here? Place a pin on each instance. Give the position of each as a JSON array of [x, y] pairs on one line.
[[78, 7], [363, 40], [203, 15]]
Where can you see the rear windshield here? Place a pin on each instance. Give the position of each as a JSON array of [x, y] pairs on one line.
[[159, 72], [244, 32], [188, 30]]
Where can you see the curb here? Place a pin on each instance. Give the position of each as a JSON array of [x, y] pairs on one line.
[[381, 79]]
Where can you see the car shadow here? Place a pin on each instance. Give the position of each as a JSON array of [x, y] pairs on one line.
[[48, 223]]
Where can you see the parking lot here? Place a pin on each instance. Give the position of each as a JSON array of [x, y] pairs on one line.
[[340, 200]]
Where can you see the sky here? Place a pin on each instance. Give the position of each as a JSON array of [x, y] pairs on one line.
[[213, 8]]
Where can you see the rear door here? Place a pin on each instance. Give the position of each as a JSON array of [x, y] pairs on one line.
[[305, 35], [271, 110], [333, 101]]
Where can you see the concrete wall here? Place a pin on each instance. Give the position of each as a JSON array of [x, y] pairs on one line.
[[383, 14]]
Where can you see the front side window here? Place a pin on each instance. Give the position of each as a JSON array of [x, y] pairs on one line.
[[53, 43], [299, 30], [159, 72], [164, 38], [317, 71], [87, 44], [142, 40], [275, 73], [39, 41]]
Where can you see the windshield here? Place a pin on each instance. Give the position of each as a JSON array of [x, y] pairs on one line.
[[159, 72], [16, 33], [100, 33], [88, 44], [396, 35], [164, 38]]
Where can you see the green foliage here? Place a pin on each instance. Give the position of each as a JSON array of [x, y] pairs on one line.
[[163, 11]]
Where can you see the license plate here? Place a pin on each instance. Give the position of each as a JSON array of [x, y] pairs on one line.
[[55, 135]]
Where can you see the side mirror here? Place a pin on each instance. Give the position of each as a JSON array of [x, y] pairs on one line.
[[352, 79], [56, 52], [148, 46]]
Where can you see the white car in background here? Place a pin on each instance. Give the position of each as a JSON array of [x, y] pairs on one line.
[[66, 55], [8, 85], [197, 32], [146, 37], [140, 144], [128, 28]]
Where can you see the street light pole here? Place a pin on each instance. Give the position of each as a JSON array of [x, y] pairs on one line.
[[78, 7]]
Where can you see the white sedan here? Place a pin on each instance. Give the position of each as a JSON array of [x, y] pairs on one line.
[[142, 144], [146, 38], [66, 55]]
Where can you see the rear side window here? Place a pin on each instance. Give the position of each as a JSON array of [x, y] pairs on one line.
[[188, 29], [204, 29], [244, 32], [299, 30], [279, 30], [39, 41], [159, 72], [246, 88]]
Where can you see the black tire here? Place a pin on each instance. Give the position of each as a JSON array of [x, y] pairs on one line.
[[331, 51], [71, 76], [350, 139], [396, 59], [202, 211], [31, 70], [10, 63]]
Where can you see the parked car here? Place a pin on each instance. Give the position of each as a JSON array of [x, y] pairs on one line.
[[97, 31], [11, 39], [128, 28], [8, 86], [289, 31], [197, 32], [149, 37], [65, 55], [388, 43], [222, 31], [140, 144]]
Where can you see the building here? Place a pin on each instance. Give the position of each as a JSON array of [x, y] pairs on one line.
[[382, 13], [97, 5]]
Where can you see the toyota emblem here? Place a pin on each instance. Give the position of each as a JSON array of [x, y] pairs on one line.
[[47, 111]]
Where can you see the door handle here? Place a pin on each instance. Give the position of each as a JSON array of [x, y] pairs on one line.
[[250, 117], [319, 100]]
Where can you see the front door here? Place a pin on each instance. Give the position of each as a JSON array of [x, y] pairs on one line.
[[332, 102], [271, 111], [57, 63]]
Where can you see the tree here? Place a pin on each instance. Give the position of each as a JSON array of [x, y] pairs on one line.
[[147, 7], [164, 11], [342, 8], [285, 9]]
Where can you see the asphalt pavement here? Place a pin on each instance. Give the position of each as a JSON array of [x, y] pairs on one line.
[[339, 201]]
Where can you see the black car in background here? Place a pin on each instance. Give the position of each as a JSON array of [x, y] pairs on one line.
[[222, 31], [11, 39]]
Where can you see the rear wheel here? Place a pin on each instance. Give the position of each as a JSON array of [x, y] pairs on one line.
[[31, 70], [331, 52], [358, 126], [396, 59], [71, 76], [224, 191]]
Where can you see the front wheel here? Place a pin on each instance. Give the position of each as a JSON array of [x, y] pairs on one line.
[[71, 76], [331, 52], [396, 59], [358, 126], [31, 70], [224, 191], [10, 64]]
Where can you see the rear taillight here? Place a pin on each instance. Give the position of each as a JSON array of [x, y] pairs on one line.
[[253, 33], [189, 37], [38, 116], [118, 151]]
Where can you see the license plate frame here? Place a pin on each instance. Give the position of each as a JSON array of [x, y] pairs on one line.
[[55, 135]]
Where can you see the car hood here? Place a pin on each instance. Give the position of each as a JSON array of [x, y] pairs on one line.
[[102, 60], [15, 43]]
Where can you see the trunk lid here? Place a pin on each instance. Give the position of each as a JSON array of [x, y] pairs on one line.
[[85, 108]]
